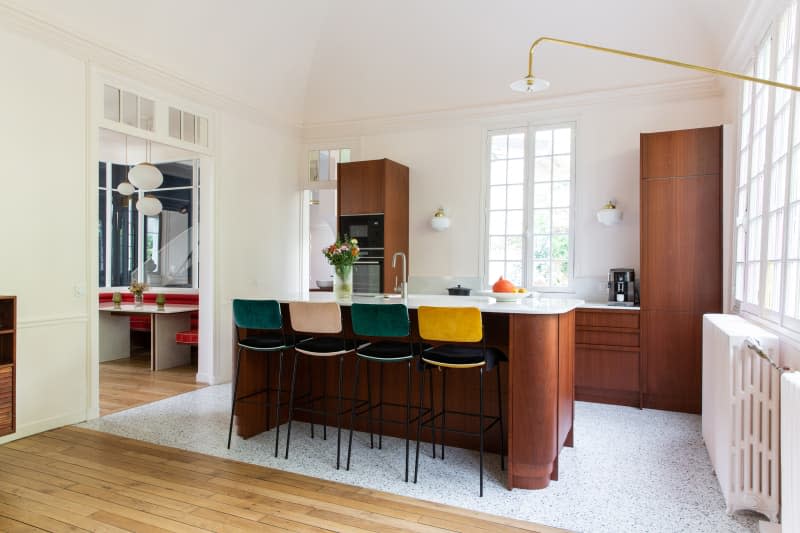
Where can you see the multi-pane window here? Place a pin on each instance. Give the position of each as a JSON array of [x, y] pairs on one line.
[[767, 226], [531, 175], [322, 163], [160, 250]]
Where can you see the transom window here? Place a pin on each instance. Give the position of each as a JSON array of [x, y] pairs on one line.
[[529, 207], [767, 225]]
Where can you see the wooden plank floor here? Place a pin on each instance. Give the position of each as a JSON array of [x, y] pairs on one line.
[[126, 383], [75, 479]]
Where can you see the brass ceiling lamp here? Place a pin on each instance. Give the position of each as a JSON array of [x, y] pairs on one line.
[[530, 84]]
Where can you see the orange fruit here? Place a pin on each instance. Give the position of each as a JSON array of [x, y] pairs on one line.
[[503, 285]]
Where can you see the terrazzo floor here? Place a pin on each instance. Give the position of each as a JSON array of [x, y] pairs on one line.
[[630, 470]]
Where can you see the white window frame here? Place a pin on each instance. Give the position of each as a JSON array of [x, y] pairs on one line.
[[104, 284], [776, 320], [529, 129]]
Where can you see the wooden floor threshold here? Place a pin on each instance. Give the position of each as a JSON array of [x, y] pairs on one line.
[[76, 479]]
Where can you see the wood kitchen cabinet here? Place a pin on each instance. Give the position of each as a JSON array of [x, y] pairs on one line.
[[378, 186], [8, 319], [681, 260], [607, 356]]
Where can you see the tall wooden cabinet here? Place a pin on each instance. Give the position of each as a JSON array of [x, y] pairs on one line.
[[8, 359], [681, 260], [378, 186]]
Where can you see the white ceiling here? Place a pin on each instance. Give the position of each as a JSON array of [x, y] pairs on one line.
[[317, 61]]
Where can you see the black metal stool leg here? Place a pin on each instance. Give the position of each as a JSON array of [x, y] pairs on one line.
[[267, 413], [419, 420], [408, 414], [380, 409], [235, 391], [278, 402], [369, 405], [500, 414], [324, 398], [339, 414], [291, 405], [444, 406], [353, 413], [481, 431], [311, 393], [433, 421]]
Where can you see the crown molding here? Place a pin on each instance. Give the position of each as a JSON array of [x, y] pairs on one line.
[[758, 16], [696, 88], [16, 18]]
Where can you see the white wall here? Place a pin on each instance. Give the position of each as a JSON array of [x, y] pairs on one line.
[[257, 221], [43, 206], [47, 193], [446, 161]]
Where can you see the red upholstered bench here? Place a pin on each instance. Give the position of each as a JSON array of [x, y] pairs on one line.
[[142, 323]]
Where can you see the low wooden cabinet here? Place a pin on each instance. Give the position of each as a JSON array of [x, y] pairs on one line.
[[608, 365], [8, 341]]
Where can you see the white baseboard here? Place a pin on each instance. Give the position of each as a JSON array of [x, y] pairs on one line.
[[39, 426]]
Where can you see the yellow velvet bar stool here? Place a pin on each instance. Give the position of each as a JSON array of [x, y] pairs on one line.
[[323, 322], [459, 344]]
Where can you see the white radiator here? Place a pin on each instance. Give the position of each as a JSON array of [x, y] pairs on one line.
[[790, 456], [741, 414]]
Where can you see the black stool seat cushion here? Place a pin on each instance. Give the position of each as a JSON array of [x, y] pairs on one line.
[[455, 354], [323, 346], [388, 350], [269, 341]]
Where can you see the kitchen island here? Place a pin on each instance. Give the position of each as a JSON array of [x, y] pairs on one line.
[[538, 336]]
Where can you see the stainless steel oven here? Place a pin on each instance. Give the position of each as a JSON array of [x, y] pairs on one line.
[[368, 272]]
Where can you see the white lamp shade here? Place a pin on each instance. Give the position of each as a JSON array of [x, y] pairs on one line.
[[530, 85], [609, 217], [145, 176], [149, 206], [440, 222], [125, 188]]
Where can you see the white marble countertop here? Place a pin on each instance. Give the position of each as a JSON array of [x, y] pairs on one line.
[[529, 306], [604, 305]]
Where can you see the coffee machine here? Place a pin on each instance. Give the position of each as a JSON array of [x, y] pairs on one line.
[[621, 287]]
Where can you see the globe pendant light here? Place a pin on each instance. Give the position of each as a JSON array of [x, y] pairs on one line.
[[146, 175], [149, 206], [125, 188]]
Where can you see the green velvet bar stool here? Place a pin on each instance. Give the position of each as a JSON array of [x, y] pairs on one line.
[[386, 330], [264, 316]]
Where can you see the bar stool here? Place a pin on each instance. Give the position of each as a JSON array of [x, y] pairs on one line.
[[459, 328], [322, 320], [388, 329], [263, 315]]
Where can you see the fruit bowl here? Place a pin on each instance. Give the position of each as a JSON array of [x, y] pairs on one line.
[[505, 296]]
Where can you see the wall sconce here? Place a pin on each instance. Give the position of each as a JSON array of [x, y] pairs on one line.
[[440, 221], [609, 215]]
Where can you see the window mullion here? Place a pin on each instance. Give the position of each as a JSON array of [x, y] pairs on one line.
[[767, 179], [108, 229]]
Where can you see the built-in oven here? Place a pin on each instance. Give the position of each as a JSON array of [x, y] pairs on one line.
[[368, 272], [367, 229]]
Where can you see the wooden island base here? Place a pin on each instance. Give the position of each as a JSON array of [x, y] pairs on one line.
[[537, 382]]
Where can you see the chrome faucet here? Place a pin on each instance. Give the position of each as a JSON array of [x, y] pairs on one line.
[[404, 281]]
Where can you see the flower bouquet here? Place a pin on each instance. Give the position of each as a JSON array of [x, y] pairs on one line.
[[342, 254], [138, 288]]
